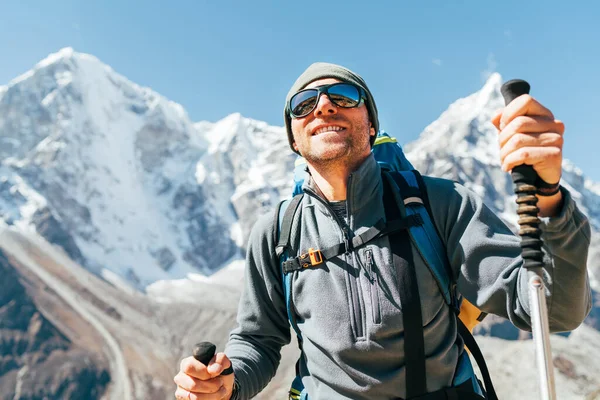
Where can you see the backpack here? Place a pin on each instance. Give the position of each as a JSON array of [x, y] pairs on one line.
[[424, 237]]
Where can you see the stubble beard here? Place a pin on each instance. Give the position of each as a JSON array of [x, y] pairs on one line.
[[351, 154]]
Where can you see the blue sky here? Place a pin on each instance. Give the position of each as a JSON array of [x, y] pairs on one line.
[[220, 57]]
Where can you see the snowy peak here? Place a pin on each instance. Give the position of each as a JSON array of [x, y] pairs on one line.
[[106, 168], [120, 177], [223, 133], [464, 130], [249, 163], [61, 57], [62, 85], [462, 145], [490, 91], [66, 53], [235, 128]]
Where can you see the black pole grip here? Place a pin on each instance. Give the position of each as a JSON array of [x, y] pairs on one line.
[[524, 178], [510, 91], [513, 89], [204, 352]]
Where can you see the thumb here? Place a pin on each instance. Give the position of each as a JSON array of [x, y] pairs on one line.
[[496, 118], [215, 369], [219, 364]]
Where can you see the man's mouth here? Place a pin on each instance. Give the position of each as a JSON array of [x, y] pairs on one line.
[[329, 128]]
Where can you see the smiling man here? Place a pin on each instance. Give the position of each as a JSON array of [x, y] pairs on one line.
[[333, 142], [355, 314]]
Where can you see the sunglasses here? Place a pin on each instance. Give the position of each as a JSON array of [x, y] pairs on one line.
[[341, 94]]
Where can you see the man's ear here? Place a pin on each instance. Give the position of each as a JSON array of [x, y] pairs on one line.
[[372, 130], [295, 146]]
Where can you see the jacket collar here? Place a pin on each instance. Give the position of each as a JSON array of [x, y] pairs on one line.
[[363, 185]]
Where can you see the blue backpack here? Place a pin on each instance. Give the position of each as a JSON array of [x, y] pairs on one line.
[[424, 236]]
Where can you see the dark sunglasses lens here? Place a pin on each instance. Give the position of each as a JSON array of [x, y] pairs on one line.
[[344, 95], [303, 102]]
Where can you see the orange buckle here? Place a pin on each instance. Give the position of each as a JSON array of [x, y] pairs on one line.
[[314, 256]]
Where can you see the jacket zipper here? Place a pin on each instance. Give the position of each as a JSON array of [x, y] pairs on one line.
[[354, 283], [357, 318], [372, 276]]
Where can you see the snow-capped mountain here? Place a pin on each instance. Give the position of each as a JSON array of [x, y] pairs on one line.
[[462, 145], [108, 170], [248, 164], [124, 182]]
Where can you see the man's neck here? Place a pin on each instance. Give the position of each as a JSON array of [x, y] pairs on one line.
[[332, 179]]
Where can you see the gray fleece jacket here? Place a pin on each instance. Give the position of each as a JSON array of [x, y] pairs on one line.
[[352, 326]]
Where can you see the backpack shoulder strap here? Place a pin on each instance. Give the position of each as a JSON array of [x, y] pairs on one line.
[[284, 217], [428, 242], [426, 237]]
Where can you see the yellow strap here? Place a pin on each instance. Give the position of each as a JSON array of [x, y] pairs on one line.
[[469, 314], [384, 139]]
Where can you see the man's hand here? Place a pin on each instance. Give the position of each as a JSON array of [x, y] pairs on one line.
[[196, 381], [529, 134]]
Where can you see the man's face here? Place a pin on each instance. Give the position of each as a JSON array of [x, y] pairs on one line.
[[331, 133]]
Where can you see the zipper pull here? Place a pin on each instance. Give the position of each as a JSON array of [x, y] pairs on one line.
[[347, 240], [369, 267]]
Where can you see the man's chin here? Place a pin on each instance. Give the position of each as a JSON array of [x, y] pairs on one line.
[[328, 154]]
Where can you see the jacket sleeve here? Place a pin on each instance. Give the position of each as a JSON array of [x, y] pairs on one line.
[[254, 345], [486, 257]]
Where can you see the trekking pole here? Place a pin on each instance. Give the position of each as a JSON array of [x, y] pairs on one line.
[[524, 178]]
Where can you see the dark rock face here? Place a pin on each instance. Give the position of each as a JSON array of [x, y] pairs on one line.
[[62, 375], [209, 247], [36, 360], [165, 258], [54, 232]]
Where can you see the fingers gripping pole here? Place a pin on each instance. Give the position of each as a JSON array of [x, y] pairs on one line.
[[524, 178], [204, 352]]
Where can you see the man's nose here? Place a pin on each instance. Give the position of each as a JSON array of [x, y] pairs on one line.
[[324, 106]]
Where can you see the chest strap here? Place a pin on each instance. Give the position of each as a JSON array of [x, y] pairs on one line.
[[313, 258]]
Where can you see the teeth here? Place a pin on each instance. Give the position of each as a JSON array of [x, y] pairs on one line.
[[328, 129]]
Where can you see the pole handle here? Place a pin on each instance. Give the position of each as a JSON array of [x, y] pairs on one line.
[[204, 352]]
